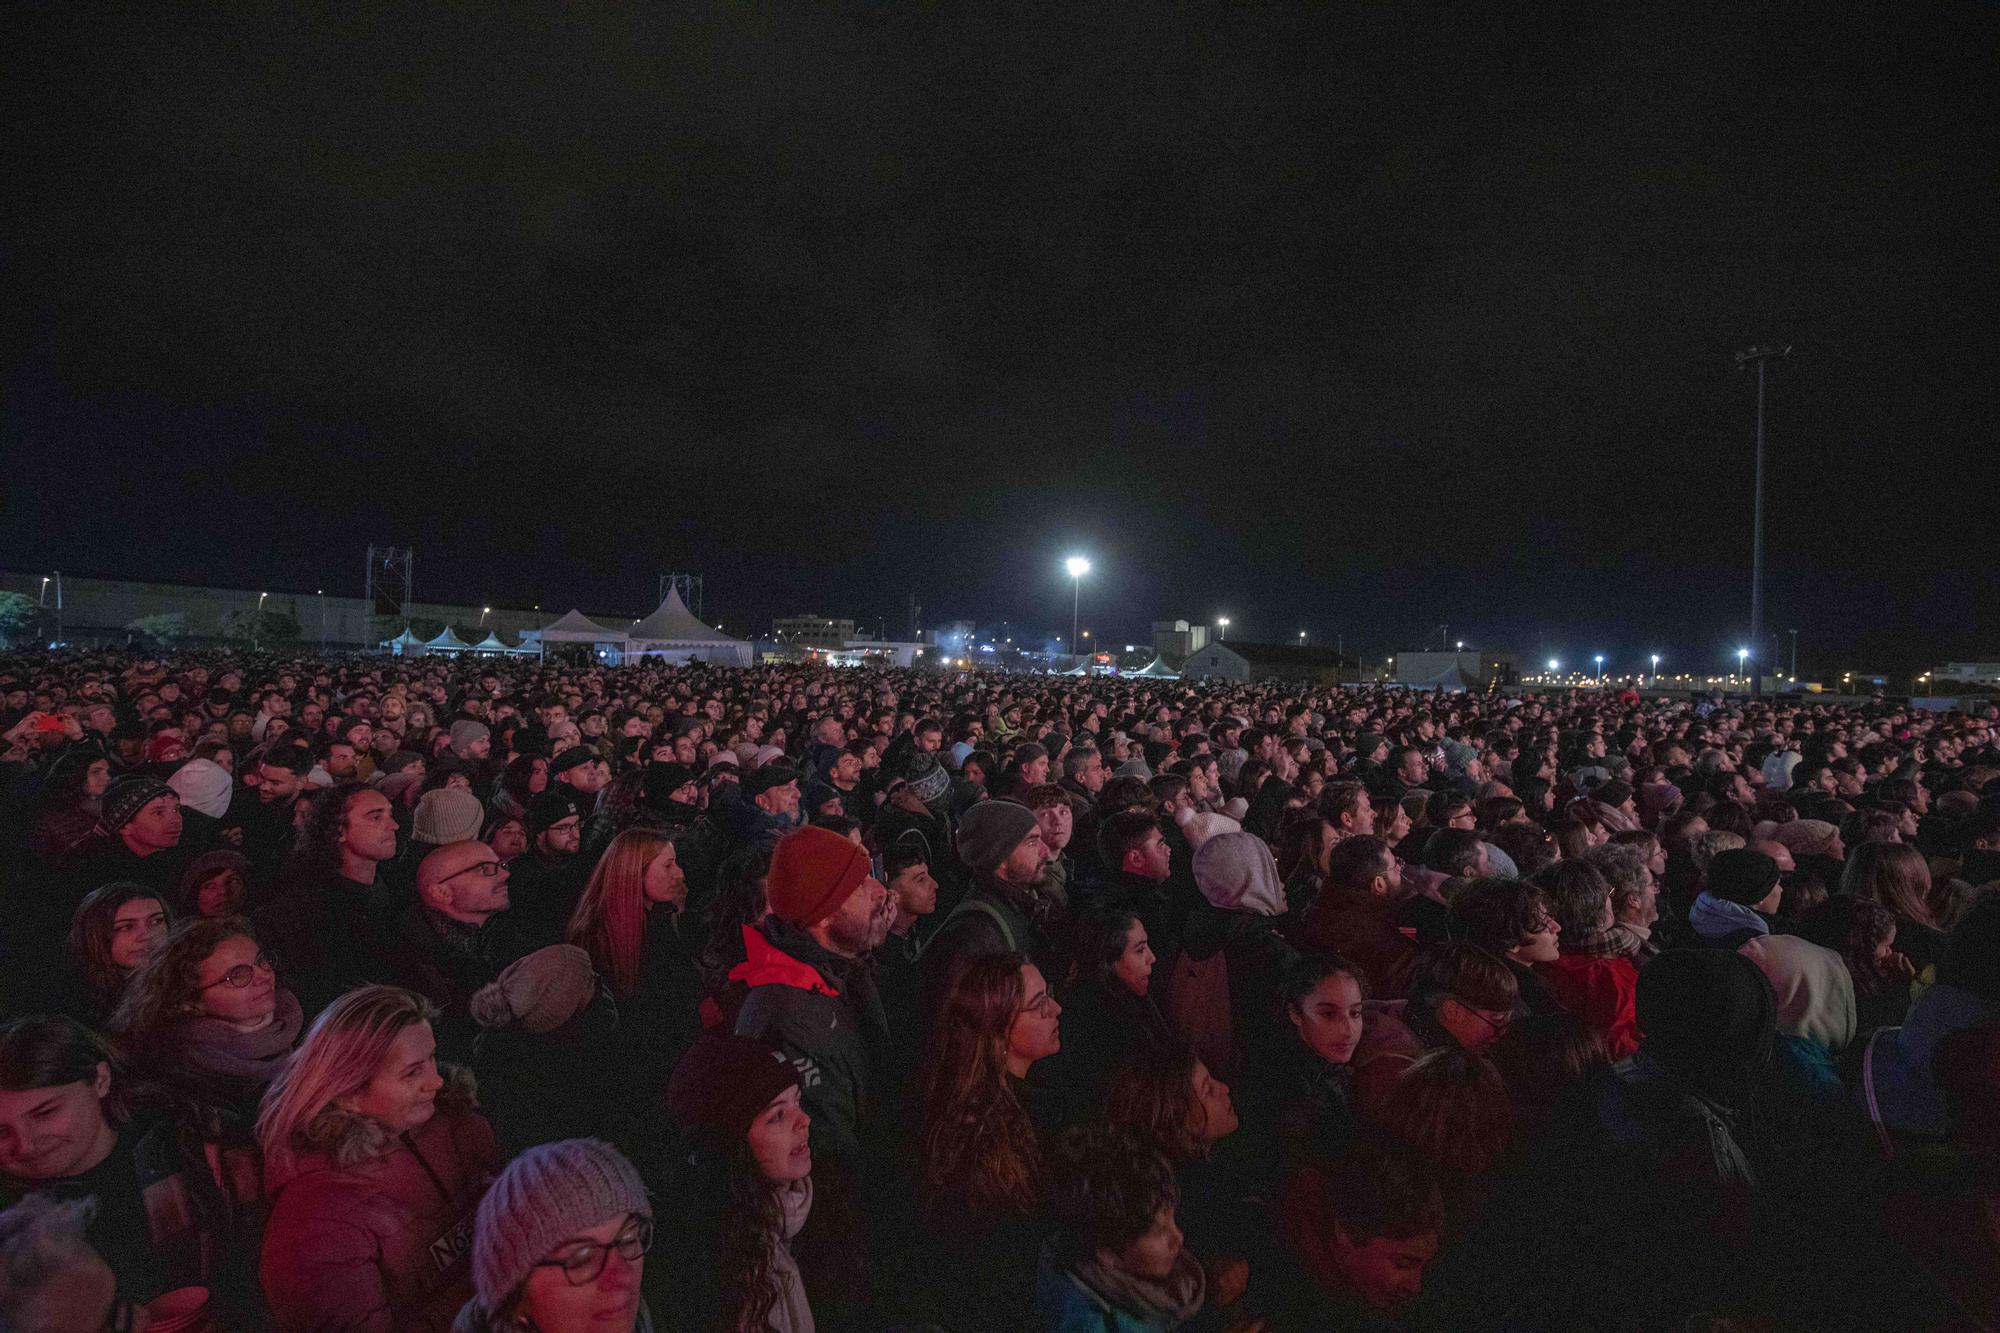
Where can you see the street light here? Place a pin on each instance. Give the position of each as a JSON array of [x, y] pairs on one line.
[[1656, 665], [1461, 645], [1222, 627], [1758, 356], [1077, 567], [1302, 638], [257, 626], [1599, 659], [484, 612], [1554, 665], [1742, 657]]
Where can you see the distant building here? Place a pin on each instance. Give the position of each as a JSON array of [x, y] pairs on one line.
[[1969, 673], [1236, 660], [1175, 639], [814, 631], [1469, 669]]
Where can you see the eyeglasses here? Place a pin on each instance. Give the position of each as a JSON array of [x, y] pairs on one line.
[[583, 1263], [1039, 1006], [1499, 1025], [484, 869], [241, 975]]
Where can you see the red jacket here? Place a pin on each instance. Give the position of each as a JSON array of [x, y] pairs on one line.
[[1603, 993], [383, 1244]]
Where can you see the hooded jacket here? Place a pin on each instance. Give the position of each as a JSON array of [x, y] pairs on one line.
[[372, 1230], [1245, 900], [824, 1013]]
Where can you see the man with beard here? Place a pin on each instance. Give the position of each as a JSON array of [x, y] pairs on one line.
[[1008, 910], [804, 989]]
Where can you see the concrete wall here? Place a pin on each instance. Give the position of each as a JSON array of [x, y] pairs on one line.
[[96, 611]]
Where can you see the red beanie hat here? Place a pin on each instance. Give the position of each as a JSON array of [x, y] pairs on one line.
[[812, 873]]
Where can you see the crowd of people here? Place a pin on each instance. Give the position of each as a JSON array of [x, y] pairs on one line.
[[356, 993]]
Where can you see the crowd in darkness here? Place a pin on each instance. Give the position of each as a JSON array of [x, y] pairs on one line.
[[434, 994]]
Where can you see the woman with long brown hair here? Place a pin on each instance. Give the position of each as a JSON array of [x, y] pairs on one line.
[[206, 1015], [979, 1158], [1896, 875], [115, 929]]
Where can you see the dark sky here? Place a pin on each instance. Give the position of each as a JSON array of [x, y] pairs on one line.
[[1350, 318]]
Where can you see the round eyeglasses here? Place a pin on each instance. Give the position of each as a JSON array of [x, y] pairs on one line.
[[242, 974]]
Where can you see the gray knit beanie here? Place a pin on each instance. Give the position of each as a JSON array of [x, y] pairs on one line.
[[990, 832], [447, 815], [548, 1194]]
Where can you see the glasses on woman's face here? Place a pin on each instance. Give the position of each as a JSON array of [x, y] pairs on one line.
[[242, 974], [1039, 1006], [583, 1263]]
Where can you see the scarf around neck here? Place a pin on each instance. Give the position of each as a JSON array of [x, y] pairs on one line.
[[791, 1314], [1170, 1301], [212, 1046]]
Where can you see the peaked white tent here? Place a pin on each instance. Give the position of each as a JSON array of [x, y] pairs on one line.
[[1156, 670], [575, 627], [672, 634], [405, 644], [447, 642], [491, 644]]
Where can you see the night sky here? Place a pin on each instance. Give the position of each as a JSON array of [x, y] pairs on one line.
[[1352, 318]]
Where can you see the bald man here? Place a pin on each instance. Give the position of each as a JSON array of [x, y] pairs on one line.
[[456, 937], [1782, 854]]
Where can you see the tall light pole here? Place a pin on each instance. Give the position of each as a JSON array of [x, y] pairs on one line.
[[1599, 659], [1742, 660], [1221, 628], [1758, 356], [1795, 655], [1077, 567], [257, 625], [1656, 668], [60, 641]]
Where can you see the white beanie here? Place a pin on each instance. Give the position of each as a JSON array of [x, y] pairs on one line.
[[203, 785]]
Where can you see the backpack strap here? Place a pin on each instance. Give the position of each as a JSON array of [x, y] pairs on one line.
[[1882, 1138], [978, 905]]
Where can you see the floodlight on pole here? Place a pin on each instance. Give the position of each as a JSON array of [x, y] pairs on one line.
[[1656, 665], [1758, 356], [1742, 658], [1554, 665], [1222, 627], [1599, 659], [1077, 567]]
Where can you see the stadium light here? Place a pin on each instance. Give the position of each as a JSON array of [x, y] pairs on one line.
[[1222, 626], [1077, 567]]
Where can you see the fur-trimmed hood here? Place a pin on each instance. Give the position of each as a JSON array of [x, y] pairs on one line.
[[340, 1140]]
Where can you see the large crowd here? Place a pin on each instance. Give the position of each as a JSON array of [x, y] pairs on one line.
[[373, 994]]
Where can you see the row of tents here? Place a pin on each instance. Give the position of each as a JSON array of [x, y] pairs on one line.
[[671, 634]]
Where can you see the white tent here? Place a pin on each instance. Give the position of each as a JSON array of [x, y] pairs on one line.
[[673, 634], [575, 627], [405, 644], [1156, 670], [491, 644], [447, 642]]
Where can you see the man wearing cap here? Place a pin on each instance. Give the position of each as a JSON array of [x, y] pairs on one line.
[[137, 838], [764, 808], [803, 986], [548, 879], [1007, 910], [583, 770]]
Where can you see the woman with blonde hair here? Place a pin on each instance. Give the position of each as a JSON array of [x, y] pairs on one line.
[[375, 1160]]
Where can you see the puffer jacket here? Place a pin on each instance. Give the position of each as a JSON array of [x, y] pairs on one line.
[[373, 1231], [824, 1013]]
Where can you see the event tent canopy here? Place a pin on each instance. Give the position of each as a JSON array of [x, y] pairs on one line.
[[447, 642], [405, 644], [673, 632]]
